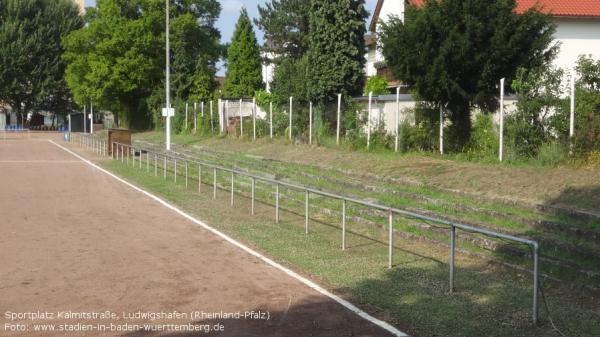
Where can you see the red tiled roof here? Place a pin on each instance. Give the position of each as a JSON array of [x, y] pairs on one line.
[[585, 8], [573, 8]]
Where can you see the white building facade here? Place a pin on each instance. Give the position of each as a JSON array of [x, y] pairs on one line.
[[577, 28]]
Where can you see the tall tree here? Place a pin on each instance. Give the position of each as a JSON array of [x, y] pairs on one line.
[[118, 59], [196, 43], [31, 68], [336, 48], [286, 27], [454, 52], [244, 67]]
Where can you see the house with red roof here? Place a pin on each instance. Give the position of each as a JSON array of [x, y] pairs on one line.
[[577, 29]]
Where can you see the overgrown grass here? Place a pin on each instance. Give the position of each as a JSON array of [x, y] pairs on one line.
[[489, 300]]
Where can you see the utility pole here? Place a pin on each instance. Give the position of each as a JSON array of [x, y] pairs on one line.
[[168, 82]]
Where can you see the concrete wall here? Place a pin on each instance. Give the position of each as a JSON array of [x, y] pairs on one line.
[[384, 109]]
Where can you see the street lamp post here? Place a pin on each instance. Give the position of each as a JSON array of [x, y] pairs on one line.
[[168, 83]]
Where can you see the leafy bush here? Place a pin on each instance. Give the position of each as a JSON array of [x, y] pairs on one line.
[[551, 154], [484, 137], [539, 93], [376, 84]]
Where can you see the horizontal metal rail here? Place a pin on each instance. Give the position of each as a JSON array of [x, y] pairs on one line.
[[391, 211]]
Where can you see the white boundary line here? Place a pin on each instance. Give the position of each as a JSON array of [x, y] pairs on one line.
[[40, 162], [384, 325]]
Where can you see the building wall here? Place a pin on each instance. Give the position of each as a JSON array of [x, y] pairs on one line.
[[576, 37]]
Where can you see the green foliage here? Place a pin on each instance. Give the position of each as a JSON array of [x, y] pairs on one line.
[[587, 108], [458, 50], [538, 93], [31, 67], [484, 139], [117, 60], [377, 85], [551, 154], [244, 69], [336, 50], [286, 27], [424, 134], [290, 80]]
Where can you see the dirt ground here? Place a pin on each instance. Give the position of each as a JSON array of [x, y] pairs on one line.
[[73, 239]]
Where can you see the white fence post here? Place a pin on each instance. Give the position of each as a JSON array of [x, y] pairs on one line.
[[339, 115], [254, 118], [441, 130], [397, 117], [195, 117], [501, 150], [271, 119], [221, 115], [186, 115], [369, 121], [291, 112], [91, 117], [572, 117]]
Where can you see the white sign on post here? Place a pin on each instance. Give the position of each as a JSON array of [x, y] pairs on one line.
[[168, 112]]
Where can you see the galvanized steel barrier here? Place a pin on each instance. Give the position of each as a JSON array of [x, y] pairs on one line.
[[122, 151]]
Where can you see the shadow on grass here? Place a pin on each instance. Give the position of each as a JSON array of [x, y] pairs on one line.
[[585, 199]]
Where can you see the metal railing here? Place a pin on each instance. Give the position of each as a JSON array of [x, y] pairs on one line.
[[126, 153]]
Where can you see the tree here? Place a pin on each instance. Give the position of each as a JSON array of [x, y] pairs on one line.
[[118, 59], [336, 52], [31, 68], [454, 52], [377, 85], [286, 27], [244, 67], [539, 93]]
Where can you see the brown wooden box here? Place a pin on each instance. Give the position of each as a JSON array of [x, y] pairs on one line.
[[122, 136]]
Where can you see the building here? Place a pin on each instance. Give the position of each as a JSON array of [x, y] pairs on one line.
[[81, 5], [577, 29]]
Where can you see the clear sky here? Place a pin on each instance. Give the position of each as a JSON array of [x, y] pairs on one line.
[[231, 10]]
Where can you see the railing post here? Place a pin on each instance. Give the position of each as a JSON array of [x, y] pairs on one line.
[[165, 168], [175, 170], [253, 193], [391, 239], [148, 161], [186, 174], [535, 281], [140, 159], [344, 224], [133, 157], [156, 165], [452, 250], [214, 183], [277, 203], [306, 212]]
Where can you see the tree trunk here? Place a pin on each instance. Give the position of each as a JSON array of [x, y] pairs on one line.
[[460, 130]]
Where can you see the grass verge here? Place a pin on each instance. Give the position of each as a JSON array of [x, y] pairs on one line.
[[489, 300]]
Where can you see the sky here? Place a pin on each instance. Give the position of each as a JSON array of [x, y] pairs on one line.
[[231, 11]]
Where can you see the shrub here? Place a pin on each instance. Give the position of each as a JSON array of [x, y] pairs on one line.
[[484, 137], [376, 84], [551, 154]]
